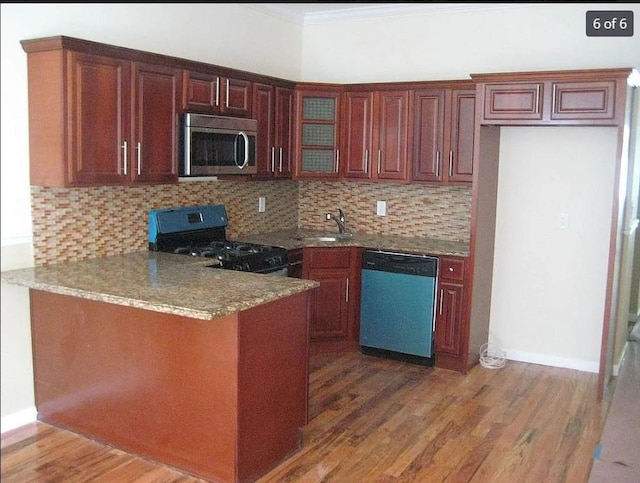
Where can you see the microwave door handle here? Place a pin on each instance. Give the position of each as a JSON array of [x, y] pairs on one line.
[[246, 150]]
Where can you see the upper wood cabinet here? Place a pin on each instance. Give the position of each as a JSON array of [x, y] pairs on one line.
[[594, 97], [210, 93], [375, 135], [443, 135], [317, 131], [97, 120], [273, 109]]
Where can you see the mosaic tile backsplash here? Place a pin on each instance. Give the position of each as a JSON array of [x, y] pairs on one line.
[[78, 223]]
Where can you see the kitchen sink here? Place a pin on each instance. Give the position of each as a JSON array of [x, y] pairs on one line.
[[323, 237]]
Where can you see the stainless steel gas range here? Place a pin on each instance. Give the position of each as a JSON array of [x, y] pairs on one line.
[[200, 231]]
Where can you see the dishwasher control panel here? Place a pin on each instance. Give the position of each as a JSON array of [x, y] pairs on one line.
[[400, 263]]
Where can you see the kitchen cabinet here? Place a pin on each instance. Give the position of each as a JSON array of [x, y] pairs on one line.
[[375, 135], [210, 93], [451, 332], [317, 139], [96, 120], [551, 99], [443, 137], [273, 109], [335, 303]]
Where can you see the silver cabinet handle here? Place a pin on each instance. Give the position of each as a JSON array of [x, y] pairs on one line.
[[125, 156], [450, 163], [441, 297], [217, 91], [378, 161], [227, 96], [346, 298], [538, 97], [337, 160], [280, 159], [139, 161], [273, 159]]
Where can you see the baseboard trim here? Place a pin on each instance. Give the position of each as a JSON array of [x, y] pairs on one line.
[[15, 420], [547, 360]]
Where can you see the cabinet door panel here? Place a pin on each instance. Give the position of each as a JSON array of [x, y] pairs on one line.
[[283, 131], [513, 101], [393, 139], [263, 112], [99, 119], [357, 134], [428, 135], [237, 97], [448, 320], [583, 100], [156, 117], [463, 106], [330, 316], [201, 92]]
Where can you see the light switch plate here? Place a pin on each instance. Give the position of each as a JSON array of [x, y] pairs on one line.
[[262, 204], [381, 208]]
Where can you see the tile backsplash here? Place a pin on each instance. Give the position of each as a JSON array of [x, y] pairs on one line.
[[79, 223]]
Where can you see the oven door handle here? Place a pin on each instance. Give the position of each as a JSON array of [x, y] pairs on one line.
[[246, 151]]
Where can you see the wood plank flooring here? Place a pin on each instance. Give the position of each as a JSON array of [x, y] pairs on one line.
[[379, 420]]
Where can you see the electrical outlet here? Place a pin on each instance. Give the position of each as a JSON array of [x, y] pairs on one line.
[[381, 208], [262, 204]]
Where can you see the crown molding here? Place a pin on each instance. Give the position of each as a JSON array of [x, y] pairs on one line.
[[343, 13]]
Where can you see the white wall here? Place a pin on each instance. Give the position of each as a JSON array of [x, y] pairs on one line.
[[549, 282], [509, 37], [441, 46]]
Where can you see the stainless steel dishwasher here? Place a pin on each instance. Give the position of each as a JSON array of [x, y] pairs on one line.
[[397, 310]]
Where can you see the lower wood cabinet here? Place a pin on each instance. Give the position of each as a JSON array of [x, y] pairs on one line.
[[335, 304], [451, 329]]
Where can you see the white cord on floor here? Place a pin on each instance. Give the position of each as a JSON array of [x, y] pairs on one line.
[[492, 357]]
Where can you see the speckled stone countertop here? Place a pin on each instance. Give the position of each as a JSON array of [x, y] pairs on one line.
[[162, 282], [298, 238]]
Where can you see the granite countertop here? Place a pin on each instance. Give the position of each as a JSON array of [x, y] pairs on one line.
[[299, 238], [162, 282]]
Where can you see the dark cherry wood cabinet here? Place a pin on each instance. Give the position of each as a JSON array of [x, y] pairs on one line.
[[121, 118], [375, 135], [443, 136], [335, 304], [451, 328], [210, 93], [273, 109], [155, 123], [317, 131], [96, 119], [552, 98]]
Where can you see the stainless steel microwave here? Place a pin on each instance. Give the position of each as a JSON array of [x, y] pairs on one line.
[[213, 145]]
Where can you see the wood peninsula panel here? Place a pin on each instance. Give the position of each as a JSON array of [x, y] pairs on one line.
[[223, 399]]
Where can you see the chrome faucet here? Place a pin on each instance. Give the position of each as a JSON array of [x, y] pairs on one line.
[[340, 219]]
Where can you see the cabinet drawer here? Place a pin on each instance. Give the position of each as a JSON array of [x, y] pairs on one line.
[[329, 257], [513, 101], [583, 100], [452, 269]]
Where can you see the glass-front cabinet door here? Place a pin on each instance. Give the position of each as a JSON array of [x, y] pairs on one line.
[[318, 112]]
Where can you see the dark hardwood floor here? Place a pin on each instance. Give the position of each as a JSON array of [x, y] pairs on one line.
[[378, 420]]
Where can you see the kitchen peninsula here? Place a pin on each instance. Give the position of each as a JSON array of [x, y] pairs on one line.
[[161, 355]]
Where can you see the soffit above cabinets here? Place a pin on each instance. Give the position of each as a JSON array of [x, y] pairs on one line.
[[324, 13]]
